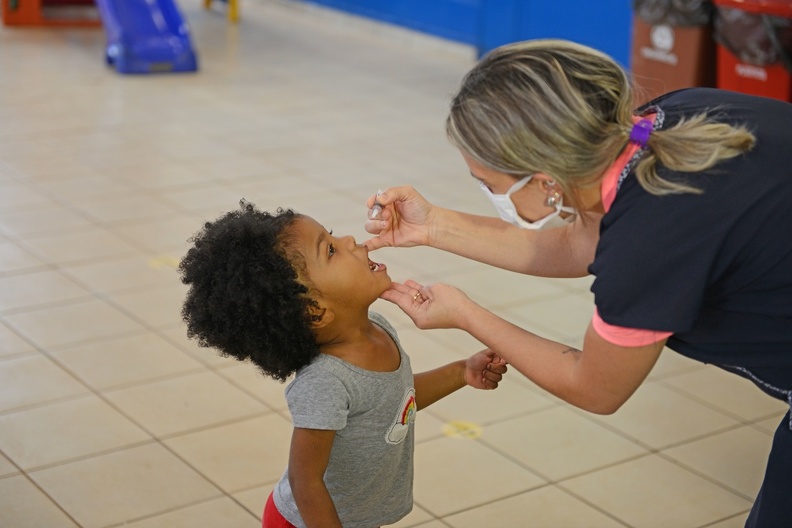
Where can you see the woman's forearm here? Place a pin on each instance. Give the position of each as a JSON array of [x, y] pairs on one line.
[[598, 380], [549, 364], [559, 252]]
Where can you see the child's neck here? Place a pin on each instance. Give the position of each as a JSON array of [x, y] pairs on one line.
[[360, 342]]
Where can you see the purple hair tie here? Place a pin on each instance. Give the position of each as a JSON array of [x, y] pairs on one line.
[[641, 131]]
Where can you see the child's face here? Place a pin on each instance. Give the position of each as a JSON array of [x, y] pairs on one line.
[[338, 267]]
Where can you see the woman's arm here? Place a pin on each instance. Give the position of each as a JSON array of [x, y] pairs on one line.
[[408, 219], [559, 252], [599, 379], [308, 459], [483, 370]]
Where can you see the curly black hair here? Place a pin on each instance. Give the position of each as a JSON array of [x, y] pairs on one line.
[[245, 299]]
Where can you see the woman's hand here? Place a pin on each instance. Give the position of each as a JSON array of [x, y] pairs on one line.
[[485, 370], [436, 306], [405, 219]]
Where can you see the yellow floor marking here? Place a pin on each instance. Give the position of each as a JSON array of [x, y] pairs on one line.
[[462, 429], [163, 261]]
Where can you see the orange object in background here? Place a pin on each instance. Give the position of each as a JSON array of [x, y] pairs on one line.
[[755, 47], [666, 58], [233, 8], [50, 13], [672, 47]]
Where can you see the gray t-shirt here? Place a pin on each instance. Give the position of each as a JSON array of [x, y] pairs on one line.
[[370, 472]]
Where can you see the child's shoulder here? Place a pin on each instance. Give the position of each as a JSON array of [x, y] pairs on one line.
[[379, 320], [323, 370]]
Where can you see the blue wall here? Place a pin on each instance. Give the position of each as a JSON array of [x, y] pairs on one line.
[[451, 19], [486, 24]]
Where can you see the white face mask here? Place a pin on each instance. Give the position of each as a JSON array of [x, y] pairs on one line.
[[508, 212]]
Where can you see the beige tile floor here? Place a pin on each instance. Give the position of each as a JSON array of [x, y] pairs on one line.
[[109, 416]]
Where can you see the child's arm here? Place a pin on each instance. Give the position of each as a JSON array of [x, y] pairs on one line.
[[483, 370], [308, 459]]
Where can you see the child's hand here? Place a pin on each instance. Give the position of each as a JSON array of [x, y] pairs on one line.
[[484, 370]]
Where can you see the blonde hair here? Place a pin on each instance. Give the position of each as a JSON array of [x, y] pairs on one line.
[[565, 110]]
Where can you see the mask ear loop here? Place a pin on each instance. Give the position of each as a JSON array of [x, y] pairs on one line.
[[519, 185]]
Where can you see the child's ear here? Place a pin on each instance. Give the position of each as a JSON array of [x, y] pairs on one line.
[[320, 316]]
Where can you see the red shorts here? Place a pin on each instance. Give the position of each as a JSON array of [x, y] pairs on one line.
[[273, 518]]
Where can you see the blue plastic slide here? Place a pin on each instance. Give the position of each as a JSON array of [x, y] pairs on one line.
[[146, 36]]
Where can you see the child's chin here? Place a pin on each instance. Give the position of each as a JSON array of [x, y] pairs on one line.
[[386, 287]]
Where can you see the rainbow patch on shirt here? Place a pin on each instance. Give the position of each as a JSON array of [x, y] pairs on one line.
[[410, 408], [404, 417]]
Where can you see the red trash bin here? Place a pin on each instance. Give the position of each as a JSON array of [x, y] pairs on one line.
[[672, 46], [754, 41]]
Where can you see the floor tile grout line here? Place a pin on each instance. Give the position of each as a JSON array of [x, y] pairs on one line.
[[25, 309], [97, 223], [553, 481], [52, 499], [611, 515], [718, 521], [439, 517], [649, 447], [707, 403], [179, 508], [705, 476], [550, 405]]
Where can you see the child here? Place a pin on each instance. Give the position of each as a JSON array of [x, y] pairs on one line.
[[283, 292]]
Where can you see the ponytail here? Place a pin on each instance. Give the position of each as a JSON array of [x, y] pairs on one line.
[[692, 145]]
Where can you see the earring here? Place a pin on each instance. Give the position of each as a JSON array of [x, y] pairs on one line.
[[553, 199]]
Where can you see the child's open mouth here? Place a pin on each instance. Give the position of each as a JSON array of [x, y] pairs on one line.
[[375, 266]]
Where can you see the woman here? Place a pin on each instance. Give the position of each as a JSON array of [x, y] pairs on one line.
[[684, 216]]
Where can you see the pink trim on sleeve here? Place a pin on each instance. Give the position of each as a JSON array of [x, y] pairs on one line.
[[623, 336]]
